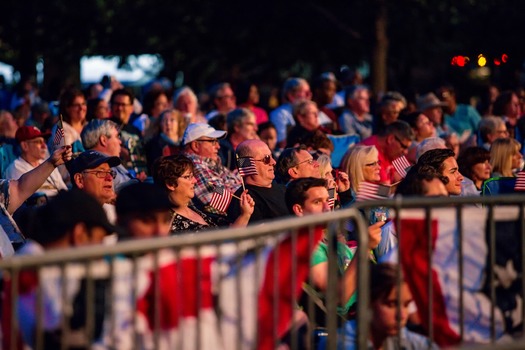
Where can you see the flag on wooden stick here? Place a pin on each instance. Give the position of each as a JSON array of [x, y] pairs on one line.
[[246, 166], [221, 199], [368, 190], [331, 197], [401, 164], [59, 138], [520, 182]]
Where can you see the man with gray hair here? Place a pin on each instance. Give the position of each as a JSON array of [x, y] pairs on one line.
[[490, 129], [294, 90], [223, 99], [241, 126], [102, 135], [356, 118]]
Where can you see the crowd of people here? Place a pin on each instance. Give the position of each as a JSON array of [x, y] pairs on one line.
[[163, 165]]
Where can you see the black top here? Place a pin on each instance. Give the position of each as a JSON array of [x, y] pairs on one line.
[[269, 203]]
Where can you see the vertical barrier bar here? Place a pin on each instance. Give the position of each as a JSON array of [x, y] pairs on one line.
[[90, 301], [198, 299], [110, 310], [15, 278], [363, 283], [293, 255], [430, 286], [399, 231], [39, 340], [332, 296], [459, 225], [521, 217], [276, 292], [156, 299], [134, 299], [64, 318], [238, 267], [492, 263]]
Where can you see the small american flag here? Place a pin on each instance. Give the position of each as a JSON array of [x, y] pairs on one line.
[[246, 166], [58, 140], [520, 182], [368, 190], [401, 164], [331, 197], [221, 199]]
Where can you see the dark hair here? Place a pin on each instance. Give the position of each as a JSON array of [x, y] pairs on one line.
[[412, 184], [410, 118], [92, 105], [150, 98], [124, 92], [242, 91], [470, 157], [400, 129], [435, 158], [317, 140], [287, 159], [296, 190], [499, 108], [383, 278], [66, 99], [218, 122], [263, 126], [167, 170]]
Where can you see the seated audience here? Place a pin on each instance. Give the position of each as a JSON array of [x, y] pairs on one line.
[[505, 157], [474, 165]]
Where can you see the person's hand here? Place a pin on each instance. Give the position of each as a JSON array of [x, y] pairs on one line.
[[343, 181], [61, 155], [374, 234], [247, 203]]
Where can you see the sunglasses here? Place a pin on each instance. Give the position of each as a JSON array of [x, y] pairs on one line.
[[267, 159]]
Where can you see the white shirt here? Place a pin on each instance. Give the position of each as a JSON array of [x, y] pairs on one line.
[[50, 187]]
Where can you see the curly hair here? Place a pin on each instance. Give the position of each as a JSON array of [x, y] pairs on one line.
[[167, 170]]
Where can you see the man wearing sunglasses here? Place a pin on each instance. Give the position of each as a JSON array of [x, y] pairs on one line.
[[392, 143], [91, 172]]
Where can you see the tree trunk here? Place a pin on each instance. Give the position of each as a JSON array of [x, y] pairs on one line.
[[60, 72], [380, 50]]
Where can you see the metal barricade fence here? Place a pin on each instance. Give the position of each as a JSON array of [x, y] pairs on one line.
[[458, 232], [236, 288], [222, 289]]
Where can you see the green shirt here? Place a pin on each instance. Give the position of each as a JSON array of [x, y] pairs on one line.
[[344, 256]]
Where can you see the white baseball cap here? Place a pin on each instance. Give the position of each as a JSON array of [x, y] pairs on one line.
[[197, 130]]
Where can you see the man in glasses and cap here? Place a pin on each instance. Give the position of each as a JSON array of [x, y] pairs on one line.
[[201, 144], [91, 172]]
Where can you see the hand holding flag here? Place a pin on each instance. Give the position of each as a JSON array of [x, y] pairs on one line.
[[331, 197], [221, 199], [368, 190], [59, 138]]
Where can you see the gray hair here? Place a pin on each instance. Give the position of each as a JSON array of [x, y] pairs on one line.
[[292, 84], [428, 144], [488, 125], [94, 129], [236, 118], [185, 90]]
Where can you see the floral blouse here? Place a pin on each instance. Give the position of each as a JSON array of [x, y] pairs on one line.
[[181, 224]]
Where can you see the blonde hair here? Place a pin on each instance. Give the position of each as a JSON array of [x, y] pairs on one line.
[[324, 162], [353, 162], [501, 153]]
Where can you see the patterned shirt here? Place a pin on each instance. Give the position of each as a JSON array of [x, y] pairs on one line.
[[181, 224], [6, 221], [211, 175]]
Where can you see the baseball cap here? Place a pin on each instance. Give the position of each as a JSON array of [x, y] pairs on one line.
[[26, 133], [197, 130], [141, 197], [64, 211], [427, 101], [89, 160]]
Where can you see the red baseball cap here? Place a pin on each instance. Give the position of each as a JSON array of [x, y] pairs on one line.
[[25, 133]]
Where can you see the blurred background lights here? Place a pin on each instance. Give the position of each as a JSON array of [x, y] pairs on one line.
[[482, 61]]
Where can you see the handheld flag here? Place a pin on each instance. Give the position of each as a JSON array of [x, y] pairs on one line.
[[401, 164], [520, 182], [246, 166], [221, 199], [59, 139], [368, 190]]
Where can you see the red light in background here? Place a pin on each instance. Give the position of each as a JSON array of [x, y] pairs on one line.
[[504, 58], [461, 61], [497, 62]]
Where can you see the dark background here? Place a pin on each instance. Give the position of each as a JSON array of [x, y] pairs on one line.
[[407, 43]]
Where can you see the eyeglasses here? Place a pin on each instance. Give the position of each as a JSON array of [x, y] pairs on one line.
[[78, 105], [119, 104], [378, 163], [403, 146], [39, 142], [212, 141], [309, 161], [226, 96], [102, 174], [267, 159]]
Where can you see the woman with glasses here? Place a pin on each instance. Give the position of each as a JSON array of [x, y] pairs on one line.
[[175, 175], [474, 165], [362, 164], [73, 109]]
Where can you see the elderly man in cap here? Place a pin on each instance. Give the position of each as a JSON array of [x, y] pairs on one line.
[[432, 107], [34, 151], [201, 145], [91, 172]]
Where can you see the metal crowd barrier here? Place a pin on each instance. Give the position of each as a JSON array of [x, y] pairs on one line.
[[217, 282]]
